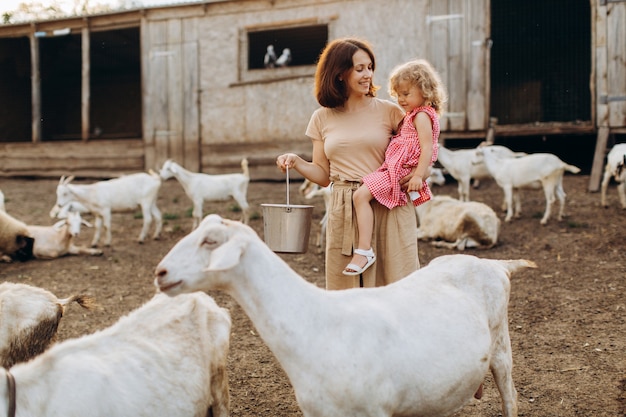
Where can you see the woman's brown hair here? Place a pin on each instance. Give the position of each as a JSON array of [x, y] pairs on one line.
[[335, 62]]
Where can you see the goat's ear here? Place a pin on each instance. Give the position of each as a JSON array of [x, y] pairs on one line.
[[86, 223], [68, 179], [59, 224], [228, 255]]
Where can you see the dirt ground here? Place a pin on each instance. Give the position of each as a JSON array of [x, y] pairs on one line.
[[567, 318]]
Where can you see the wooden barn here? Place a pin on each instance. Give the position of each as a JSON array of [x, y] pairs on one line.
[[98, 96]]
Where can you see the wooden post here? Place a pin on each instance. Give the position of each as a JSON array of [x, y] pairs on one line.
[[35, 87], [85, 87], [598, 159], [491, 132]]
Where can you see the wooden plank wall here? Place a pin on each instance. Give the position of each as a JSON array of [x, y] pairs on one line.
[[616, 65], [93, 159], [191, 95], [458, 31], [438, 45], [478, 86], [171, 117], [156, 124], [226, 158]]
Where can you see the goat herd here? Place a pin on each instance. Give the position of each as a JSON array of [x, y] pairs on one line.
[[442, 329]]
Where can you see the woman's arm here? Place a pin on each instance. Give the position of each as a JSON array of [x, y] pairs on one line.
[[317, 171]]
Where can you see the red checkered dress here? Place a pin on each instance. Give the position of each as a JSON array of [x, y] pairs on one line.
[[404, 149]]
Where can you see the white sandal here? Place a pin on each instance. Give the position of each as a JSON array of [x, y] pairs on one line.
[[356, 269]]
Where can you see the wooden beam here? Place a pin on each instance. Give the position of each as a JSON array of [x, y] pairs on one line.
[[554, 128]]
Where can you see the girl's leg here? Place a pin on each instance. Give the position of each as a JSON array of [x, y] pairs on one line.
[[365, 222]]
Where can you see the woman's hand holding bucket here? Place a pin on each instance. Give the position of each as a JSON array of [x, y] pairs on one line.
[[286, 161]]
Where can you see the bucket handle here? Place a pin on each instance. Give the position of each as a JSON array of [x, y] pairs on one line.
[[287, 188]]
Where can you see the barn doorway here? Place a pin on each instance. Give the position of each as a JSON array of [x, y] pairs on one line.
[[15, 90], [114, 84], [115, 101], [540, 61]]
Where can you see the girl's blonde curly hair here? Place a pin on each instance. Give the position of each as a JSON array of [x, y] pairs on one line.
[[421, 74]]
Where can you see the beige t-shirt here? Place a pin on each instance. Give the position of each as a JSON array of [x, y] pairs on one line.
[[355, 142]]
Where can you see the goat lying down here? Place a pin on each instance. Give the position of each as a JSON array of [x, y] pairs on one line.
[[29, 320], [421, 346], [16, 243], [167, 358], [58, 240], [457, 224]]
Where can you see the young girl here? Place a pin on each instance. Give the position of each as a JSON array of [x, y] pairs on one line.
[[420, 92]]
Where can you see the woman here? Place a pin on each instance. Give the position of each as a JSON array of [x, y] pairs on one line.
[[420, 92], [350, 133]]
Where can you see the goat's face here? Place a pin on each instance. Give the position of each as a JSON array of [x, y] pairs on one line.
[[168, 170], [64, 196], [197, 261], [74, 221]]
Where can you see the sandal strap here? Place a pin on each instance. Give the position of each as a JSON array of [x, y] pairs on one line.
[[367, 253]]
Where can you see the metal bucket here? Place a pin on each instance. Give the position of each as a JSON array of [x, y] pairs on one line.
[[287, 226]]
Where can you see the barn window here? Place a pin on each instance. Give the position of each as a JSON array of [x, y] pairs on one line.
[[304, 42]]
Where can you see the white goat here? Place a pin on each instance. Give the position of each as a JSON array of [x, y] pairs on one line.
[[116, 195], [30, 319], [616, 168], [167, 358], [420, 346], [457, 224], [2, 207], [58, 240], [201, 187], [16, 242], [515, 173], [463, 166]]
